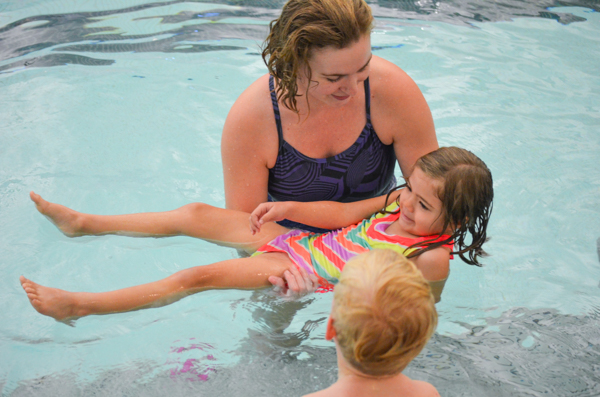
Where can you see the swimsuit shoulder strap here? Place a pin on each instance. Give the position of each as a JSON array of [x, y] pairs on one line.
[[276, 110], [368, 99]]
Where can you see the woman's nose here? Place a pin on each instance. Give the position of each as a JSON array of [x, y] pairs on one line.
[[351, 86]]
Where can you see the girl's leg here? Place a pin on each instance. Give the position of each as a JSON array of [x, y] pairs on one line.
[[221, 226], [243, 273]]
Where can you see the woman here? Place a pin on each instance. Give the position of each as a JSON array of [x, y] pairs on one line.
[[328, 122], [335, 142]]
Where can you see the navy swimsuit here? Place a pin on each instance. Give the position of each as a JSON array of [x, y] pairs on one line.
[[364, 170]]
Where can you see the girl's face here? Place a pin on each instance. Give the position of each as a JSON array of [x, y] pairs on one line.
[[338, 74], [420, 207]]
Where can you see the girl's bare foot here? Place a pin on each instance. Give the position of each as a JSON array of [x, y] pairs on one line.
[[58, 304], [68, 221]]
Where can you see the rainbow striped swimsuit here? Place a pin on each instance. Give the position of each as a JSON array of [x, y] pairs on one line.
[[325, 254]]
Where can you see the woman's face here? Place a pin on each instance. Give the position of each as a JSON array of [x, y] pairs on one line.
[[337, 74]]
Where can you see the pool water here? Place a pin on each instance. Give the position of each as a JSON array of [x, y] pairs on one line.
[[117, 107]]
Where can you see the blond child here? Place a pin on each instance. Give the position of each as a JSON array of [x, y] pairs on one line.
[[382, 316]]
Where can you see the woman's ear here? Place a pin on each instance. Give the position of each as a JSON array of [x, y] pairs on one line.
[[330, 332]]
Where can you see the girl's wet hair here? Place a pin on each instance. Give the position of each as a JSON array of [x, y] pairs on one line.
[[305, 25], [466, 193]]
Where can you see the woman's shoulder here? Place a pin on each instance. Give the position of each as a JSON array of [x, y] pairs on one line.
[[250, 124], [254, 100], [399, 113], [393, 91], [253, 109], [387, 78]]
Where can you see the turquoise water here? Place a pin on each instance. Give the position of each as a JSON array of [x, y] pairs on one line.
[[115, 107]]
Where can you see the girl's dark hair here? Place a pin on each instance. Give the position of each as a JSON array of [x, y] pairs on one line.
[[466, 193], [303, 26]]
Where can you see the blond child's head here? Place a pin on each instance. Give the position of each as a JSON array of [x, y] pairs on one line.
[[383, 312]]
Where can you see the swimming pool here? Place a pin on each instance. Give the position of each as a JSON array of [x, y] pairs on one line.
[[115, 107]]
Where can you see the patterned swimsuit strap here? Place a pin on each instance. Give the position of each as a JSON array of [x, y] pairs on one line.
[[368, 100], [276, 110]]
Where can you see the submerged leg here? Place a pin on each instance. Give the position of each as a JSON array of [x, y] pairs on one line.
[[218, 225], [243, 273]]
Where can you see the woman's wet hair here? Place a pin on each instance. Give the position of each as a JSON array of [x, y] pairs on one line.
[[383, 312], [466, 193], [305, 25]]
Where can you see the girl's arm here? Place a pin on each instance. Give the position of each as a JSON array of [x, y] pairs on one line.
[[323, 214], [435, 267]]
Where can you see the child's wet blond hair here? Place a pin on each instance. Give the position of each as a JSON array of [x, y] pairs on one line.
[[383, 312]]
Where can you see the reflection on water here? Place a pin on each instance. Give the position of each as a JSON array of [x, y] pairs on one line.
[[186, 31], [521, 353], [271, 317], [469, 11], [28, 38]]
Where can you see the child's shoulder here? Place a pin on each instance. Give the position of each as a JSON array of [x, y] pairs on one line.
[[434, 264], [425, 389], [393, 206], [331, 391], [385, 212]]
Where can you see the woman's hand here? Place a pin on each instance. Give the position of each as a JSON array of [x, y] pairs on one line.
[[268, 212], [295, 282]]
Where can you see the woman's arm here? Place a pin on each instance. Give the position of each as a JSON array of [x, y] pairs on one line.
[[400, 114], [323, 214], [249, 146]]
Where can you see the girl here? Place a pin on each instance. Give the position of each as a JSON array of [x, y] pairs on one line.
[[447, 199]]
